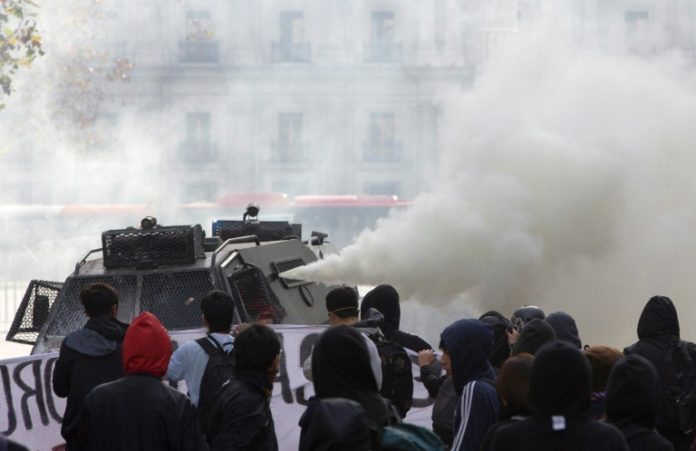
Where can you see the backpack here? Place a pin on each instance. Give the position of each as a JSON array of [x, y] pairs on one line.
[[409, 437], [218, 370], [679, 386], [397, 372]]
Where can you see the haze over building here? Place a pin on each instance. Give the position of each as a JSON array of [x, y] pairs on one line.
[[184, 101]]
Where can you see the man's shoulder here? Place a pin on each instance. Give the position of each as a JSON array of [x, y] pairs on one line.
[[188, 348], [104, 390], [240, 391]]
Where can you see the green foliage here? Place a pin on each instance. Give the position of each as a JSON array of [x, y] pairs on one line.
[[20, 41]]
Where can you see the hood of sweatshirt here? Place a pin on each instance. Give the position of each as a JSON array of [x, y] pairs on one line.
[[342, 368], [659, 318], [468, 342], [534, 335], [565, 328], [146, 347], [371, 318], [501, 326], [100, 336], [632, 393], [384, 298], [560, 383]]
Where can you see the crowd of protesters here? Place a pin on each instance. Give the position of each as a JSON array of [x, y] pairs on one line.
[[523, 383]]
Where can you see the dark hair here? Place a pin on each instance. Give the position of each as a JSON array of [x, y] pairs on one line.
[[342, 302], [255, 348], [602, 360], [513, 382], [218, 311], [98, 299]]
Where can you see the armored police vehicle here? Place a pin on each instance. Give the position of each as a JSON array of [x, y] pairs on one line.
[[167, 270]]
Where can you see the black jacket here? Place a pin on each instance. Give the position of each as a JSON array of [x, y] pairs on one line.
[[559, 394], [242, 418], [335, 424], [157, 417], [88, 357], [632, 403], [658, 334]]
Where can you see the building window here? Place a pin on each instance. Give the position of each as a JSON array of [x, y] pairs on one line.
[[637, 31], [200, 192], [389, 188], [198, 146], [383, 46], [382, 144], [292, 47], [289, 146], [199, 45]]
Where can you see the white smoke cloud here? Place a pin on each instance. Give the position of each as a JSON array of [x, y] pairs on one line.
[[567, 182]]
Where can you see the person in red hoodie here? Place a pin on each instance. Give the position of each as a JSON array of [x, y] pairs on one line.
[[138, 411]]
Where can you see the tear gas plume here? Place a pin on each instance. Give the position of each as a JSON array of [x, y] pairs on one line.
[[567, 182]]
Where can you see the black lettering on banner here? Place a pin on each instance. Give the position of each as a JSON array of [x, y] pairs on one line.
[[285, 389], [50, 402], [306, 348], [29, 392], [7, 386]]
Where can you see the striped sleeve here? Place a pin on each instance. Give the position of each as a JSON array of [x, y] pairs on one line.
[[476, 414]]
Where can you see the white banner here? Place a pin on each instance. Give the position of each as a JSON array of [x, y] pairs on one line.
[[31, 413]]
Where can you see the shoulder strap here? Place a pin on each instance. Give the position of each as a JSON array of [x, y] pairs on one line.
[[210, 347]]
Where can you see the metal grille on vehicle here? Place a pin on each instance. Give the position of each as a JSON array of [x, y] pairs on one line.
[[70, 315], [175, 297], [143, 248], [264, 231], [250, 286], [33, 311]]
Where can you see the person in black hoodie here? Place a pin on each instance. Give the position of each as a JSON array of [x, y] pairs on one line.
[[242, 418], [658, 338], [89, 356], [631, 404], [466, 346], [138, 412], [565, 328], [501, 328], [385, 298], [341, 368], [535, 334], [559, 396]]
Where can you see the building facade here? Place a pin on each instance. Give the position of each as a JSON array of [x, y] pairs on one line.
[[307, 97]]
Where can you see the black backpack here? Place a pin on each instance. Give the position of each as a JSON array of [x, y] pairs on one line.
[[397, 373], [218, 370], [679, 382]]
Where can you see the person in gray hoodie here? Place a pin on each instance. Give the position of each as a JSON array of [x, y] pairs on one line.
[[89, 357]]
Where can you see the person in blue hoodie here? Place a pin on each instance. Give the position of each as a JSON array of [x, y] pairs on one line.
[[466, 345]]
